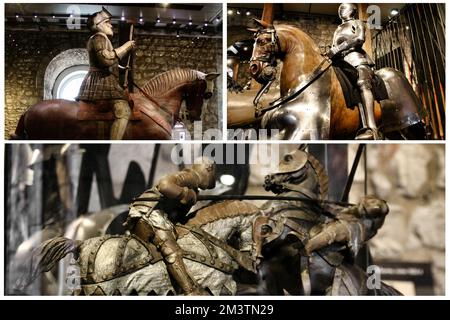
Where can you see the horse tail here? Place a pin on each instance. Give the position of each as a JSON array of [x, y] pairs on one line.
[[44, 258], [20, 129]]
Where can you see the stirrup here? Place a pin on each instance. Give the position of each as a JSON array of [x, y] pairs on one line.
[[367, 134]]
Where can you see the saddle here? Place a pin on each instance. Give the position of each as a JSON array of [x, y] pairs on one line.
[[129, 254], [102, 110], [347, 77]]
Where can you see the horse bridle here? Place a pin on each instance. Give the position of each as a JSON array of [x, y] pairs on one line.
[[270, 58], [268, 74], [275, 45]]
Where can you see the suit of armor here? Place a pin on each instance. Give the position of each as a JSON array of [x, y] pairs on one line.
[[354, 226], [152, 221], [101, 82], [348, 40], [326, 232]]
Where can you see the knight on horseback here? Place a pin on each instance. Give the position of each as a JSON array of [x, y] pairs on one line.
[[326, 233], [153, 221], [101, 82], [348, 40]]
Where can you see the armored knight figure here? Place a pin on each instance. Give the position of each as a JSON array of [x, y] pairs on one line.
[[326, 232], [101, 82], [353, 226], [348, 40], [153, 221]]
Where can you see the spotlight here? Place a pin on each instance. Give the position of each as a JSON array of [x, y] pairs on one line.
[[174, 21], [190, 22], [248, 13], [217, 19], [230, 12], [206, 23], [141, 19], [158, 20], [394, 12], [17, 16], [238, 12], [245, 48], [227, 179], [122, 18]]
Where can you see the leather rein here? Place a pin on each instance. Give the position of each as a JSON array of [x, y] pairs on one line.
[[270, 58]]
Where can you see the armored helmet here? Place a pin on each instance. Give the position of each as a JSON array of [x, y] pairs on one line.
[[347, 11], [205, 169], [293, 161], [98, 17]]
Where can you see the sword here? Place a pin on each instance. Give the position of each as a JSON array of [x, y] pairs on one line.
[[125, 83]]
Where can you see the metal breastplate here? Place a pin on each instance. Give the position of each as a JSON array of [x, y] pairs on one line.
[[94, 61], [345, 32]]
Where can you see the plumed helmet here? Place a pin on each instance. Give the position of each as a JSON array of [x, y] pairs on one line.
[[205, 168], [347, 11], [293, 161], [96, 18]]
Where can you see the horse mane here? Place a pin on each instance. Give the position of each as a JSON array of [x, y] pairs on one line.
[[168, 80], [321, 175], [298, 33], [222, 210]]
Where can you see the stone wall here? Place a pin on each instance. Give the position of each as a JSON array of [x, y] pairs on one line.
[[411, 178], [27, 54]]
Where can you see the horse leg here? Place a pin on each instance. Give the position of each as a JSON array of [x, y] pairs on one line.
[[349, 280], [20, 132]]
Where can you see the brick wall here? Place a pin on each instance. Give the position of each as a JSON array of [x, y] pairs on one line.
[[27, 54]]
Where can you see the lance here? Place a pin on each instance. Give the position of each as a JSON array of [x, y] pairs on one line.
[[430, 33], [424, 84], [431, 75], [125, 83], [351, 176], [222, 197]]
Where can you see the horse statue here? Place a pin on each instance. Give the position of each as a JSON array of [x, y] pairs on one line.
[[126, 265], [293, 256], [86, 226], [155, 110], [322, 111]]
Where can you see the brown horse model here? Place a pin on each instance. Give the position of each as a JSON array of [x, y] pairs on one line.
[[320, 112], [155, 111]]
